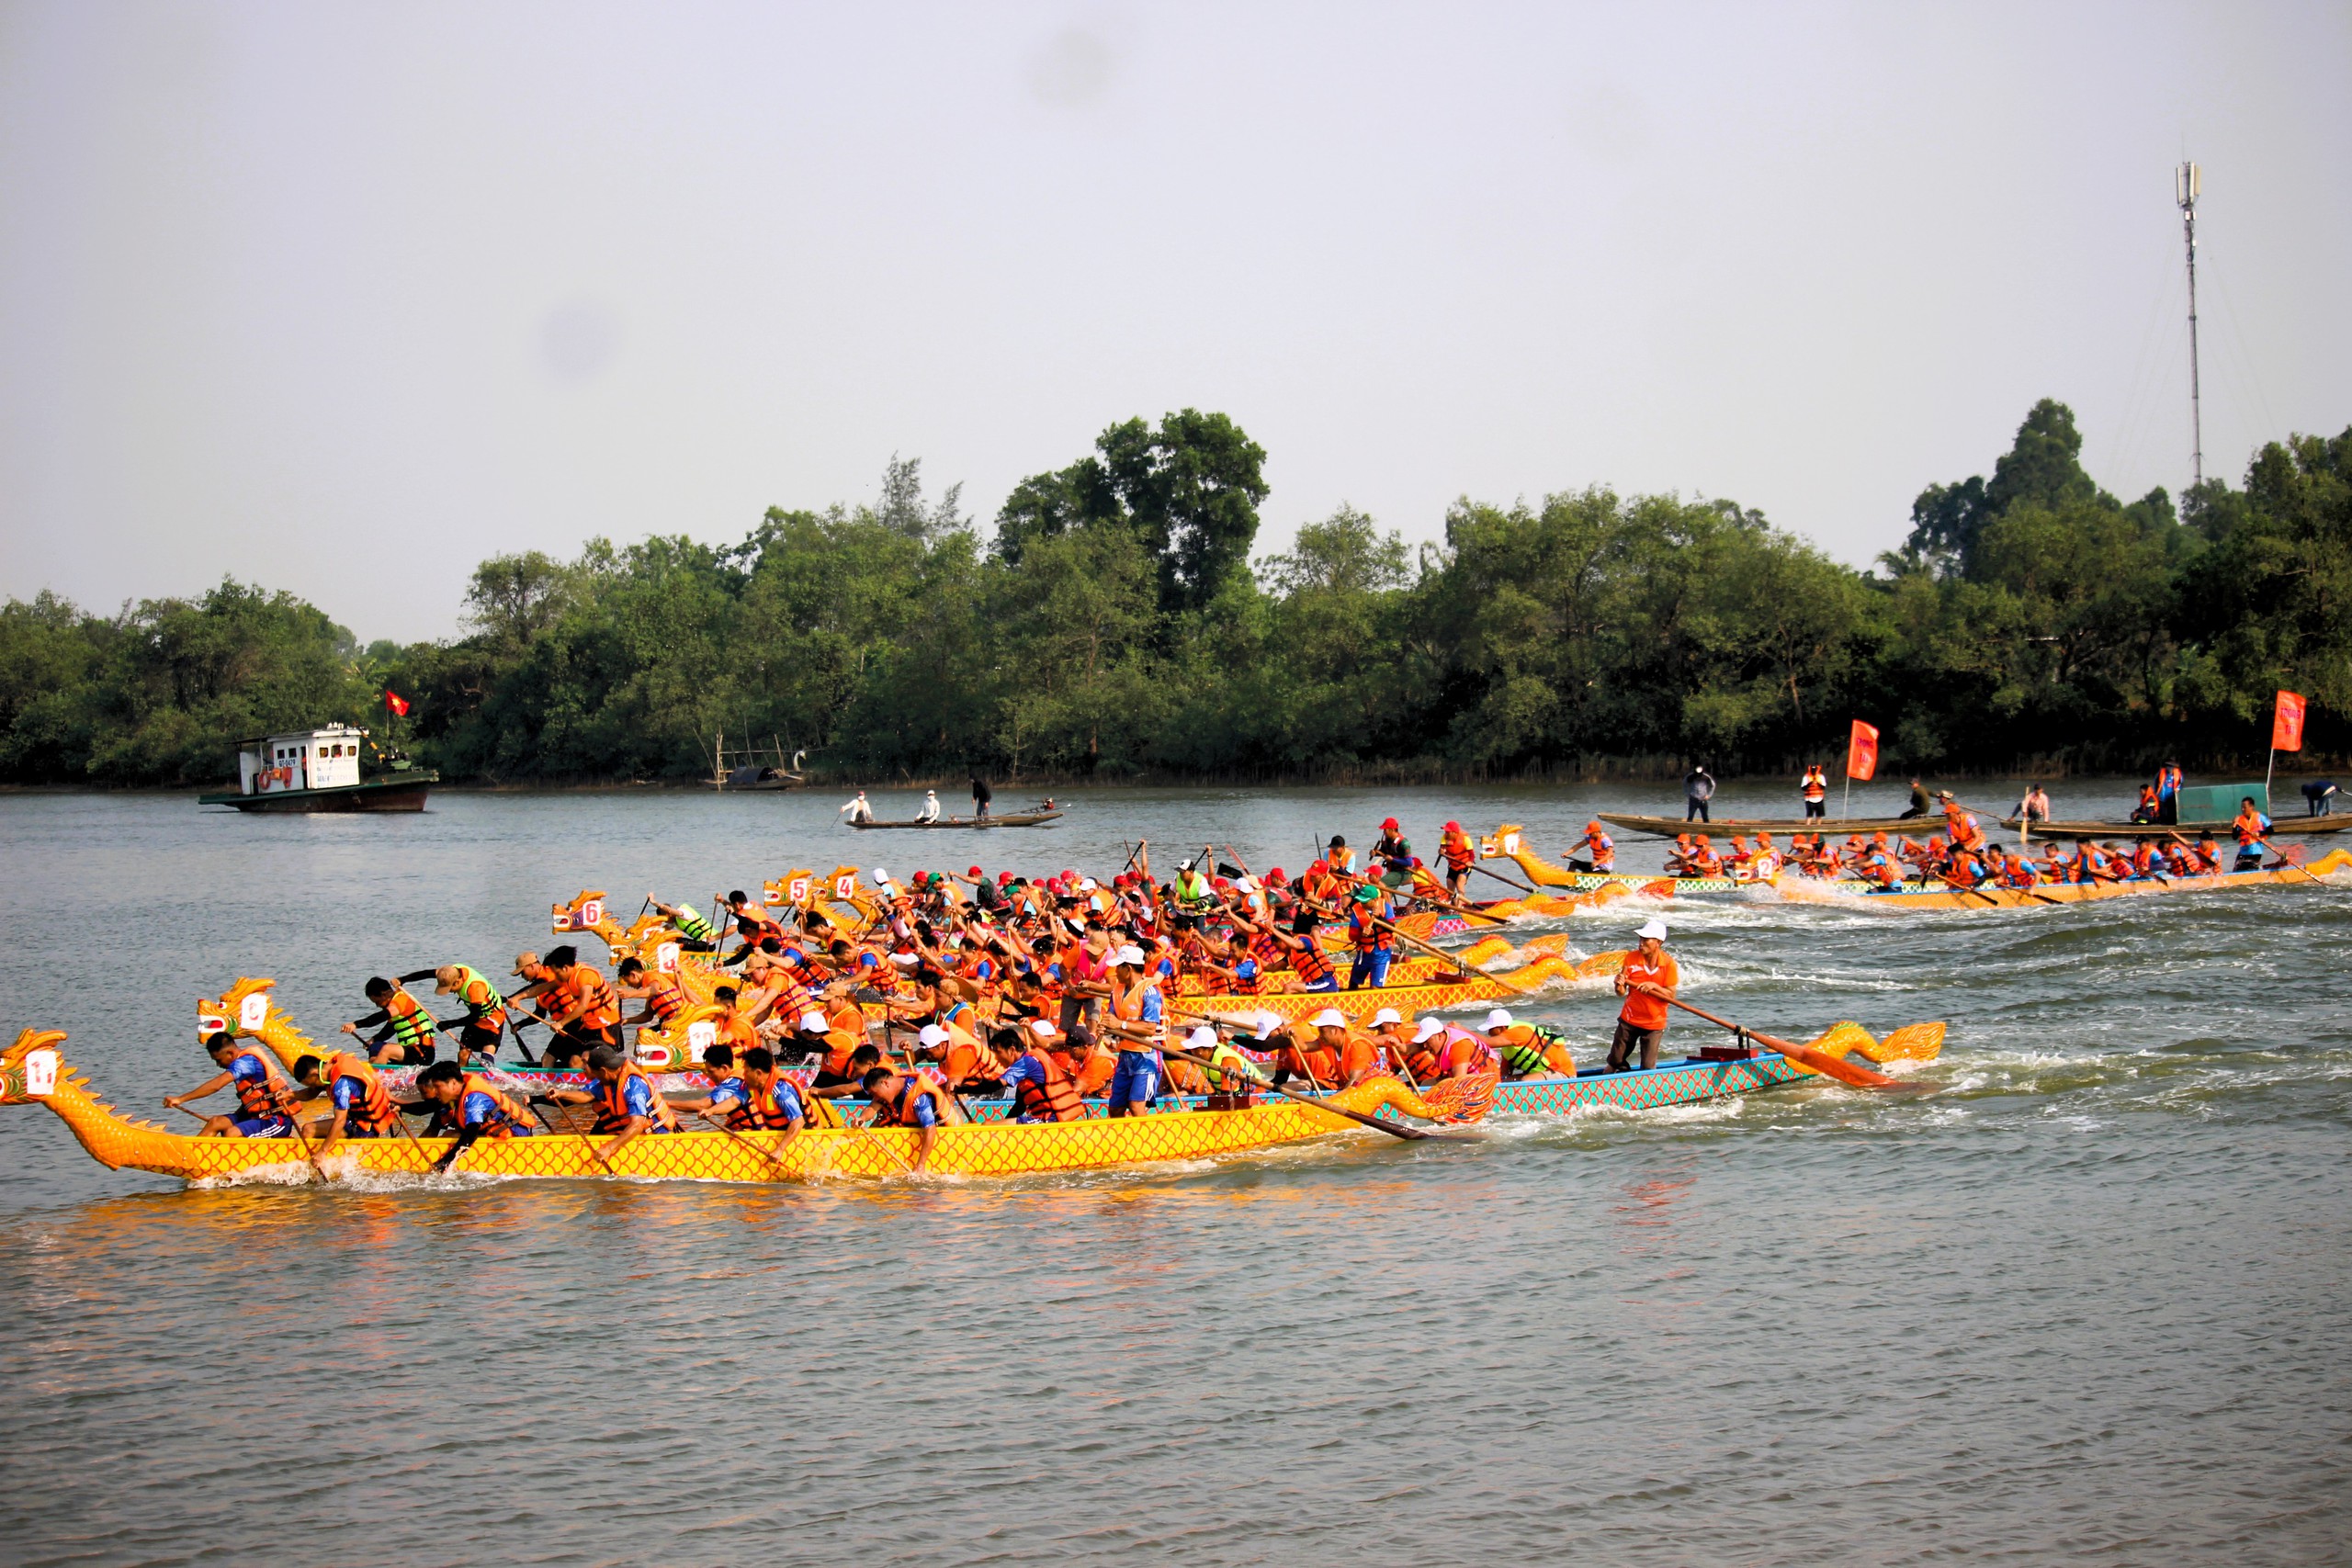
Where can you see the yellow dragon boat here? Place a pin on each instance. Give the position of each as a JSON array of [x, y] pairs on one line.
[[33, 1070]]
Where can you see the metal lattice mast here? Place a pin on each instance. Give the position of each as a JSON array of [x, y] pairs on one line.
[[2184, 189]]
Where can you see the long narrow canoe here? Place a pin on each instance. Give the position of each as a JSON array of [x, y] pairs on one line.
[[1669, 827], [1811, 890], [33, 1070], [1010, 819], [2280, 827]]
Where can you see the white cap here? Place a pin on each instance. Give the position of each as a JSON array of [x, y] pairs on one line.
[[906, 960], [1043, 1027], [1655, 928], [1499, 1019], [1129, 955], [1268, 1022], [1086, 884], [933, 1036], [1429, 1026], [1201, 1039], [1330, 1018], [931, 792], [1247, 884], [815, 1023], [878, 875], [1386, 1015]]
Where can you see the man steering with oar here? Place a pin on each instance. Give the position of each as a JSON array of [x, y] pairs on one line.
[[1647, 982]]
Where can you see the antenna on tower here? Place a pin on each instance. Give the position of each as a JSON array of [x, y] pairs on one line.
[[2184, 190]]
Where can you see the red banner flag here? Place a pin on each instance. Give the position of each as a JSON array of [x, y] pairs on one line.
[[2287, 728], [394, 701], [1861, 750]]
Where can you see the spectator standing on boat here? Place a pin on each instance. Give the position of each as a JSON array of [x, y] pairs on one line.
[[2319, 797], [1647, 983], [1921, 805], [1815, 786], [858, 810], [2034, 807], [982, 797], [2168, 792], [1697, 788]]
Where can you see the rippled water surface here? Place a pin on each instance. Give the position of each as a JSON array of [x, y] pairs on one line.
[[2088, 1300]]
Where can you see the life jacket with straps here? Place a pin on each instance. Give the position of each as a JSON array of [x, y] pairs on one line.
[[612, 1103], [1363, 934], [1230, 1069], [413, 1027], [1308, 962], [665, 997], [2248, 827], [756, 1112], [1604, 850], [897, 1112], [691, 925], [508, 1115], [1055, 1100], [1524, 1047], [1454, 849], [1815, 785], [374, 1114], [1127, 1007], [490, 1012], [271, 1097], [585, 989], [1250, 982]]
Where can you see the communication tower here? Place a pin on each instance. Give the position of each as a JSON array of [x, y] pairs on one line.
[[2184, 190]]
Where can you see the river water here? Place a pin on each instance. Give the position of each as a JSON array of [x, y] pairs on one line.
[[2086, 1301]]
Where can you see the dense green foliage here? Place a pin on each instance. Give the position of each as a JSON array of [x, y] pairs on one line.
[[1112, 620]]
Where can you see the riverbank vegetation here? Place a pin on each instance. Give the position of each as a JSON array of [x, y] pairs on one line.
[[1111, 620]]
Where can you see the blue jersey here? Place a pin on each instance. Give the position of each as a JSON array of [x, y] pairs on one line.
[[729, 1091], [349, 1094], [779, 1101], [475, 1109]]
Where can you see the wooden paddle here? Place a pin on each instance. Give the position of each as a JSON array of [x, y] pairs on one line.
[[1803, 1055], [1498, 876], [770, 1155]]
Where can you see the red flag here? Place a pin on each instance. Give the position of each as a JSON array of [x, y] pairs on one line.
[[1861, 750], [394, 701], [2287, 728]]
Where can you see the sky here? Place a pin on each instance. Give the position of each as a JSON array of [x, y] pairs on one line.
[[343, 297]]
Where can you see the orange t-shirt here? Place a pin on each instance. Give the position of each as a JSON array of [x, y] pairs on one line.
[[1641, 1010]]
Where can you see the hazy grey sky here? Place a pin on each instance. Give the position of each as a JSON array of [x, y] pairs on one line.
[[343, 298]]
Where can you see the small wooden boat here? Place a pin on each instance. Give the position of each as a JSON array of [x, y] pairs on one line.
[[33, 1070], [2280, 828], [1009, 820], [1669, 827]]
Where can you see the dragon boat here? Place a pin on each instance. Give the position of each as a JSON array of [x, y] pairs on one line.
[[34, 1069], [1509, 842], [1814, 890]]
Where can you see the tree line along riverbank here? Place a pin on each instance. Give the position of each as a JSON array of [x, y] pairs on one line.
[[1112, 621]]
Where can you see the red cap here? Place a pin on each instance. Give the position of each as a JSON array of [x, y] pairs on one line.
[[1453, 827], [1219, 883], [974, 872], [1388, 824], [1275, 874], [1003, 878]]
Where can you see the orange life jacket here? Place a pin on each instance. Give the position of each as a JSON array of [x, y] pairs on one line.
[[612, 1103], [271, 1097], [750, 1115], [898, 1112], [374, 1112], [1055, 1100], [512, 1116], [2248, 827]]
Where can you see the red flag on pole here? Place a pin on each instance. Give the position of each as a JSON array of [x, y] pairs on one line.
[[1861, 750], [394, 701], [2287, 728]]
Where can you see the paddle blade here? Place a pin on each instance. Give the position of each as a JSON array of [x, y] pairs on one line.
[[2294, 854], [1912, 1042]]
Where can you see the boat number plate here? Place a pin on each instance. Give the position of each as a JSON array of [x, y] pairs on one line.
[[41, 1074], [592, 914], [665, 958], [844, 887], [798, 891], [701, 1035], [1510, 843], [253, 1012]]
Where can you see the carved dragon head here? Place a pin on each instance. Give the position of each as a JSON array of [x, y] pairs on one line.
[[1504, 840], [248, 1010]]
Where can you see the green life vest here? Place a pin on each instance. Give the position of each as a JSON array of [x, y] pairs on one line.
[[1525, 1058], [1230, 1069], [492, 1001], [1192, 892], [413, 1029], [691, 926]]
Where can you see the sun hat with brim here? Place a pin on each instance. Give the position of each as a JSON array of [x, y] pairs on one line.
[[1386, 1015], [1268, 1023], [1429, 1026], [1202, 1039], [1654, 930], [1330, 1018], [1130, 955], [1499, 1019]]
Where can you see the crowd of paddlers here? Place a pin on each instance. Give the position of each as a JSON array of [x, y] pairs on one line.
[[1050, 990]]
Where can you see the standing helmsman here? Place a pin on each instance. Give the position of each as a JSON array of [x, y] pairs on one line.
[[982, 797], [1647, 983]]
